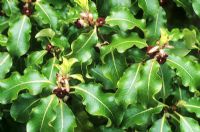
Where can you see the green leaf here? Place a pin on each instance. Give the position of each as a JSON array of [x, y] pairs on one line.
[[47, 32], [32, 80], [42, 115], [138, 115], [35, 58], [153, 28], [3, 40], [99, 103], [4, 23], [190, 38], [81, 47], [45, 14], [150, 83], [110, 72], [127, 86], [50, 69], [10, 7], [188, 124], [21, 108], [187, 70], [150, 7], [19, 36], [186, 5], [5, 64], [196, 6], [193, 105], [122, 17], [122, 44], [161, 125], [65, 120]]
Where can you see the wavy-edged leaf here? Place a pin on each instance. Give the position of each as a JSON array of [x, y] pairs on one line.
[[187, 70], [45, 14], [150, 83], [50, 69], [19, 36], [122, 17], [3, 40], [126, 93], [35, 58], [43, 114], [10, 7], [161, 125], [188, 124], [110, 72], [193, 105], [32, 80], [21, 108], [81, 47], [138, 115], [65, 120], [99, 103], [150, 7], [5, 64], [122, 44]]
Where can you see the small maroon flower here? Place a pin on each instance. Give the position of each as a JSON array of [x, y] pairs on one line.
[[100, 22], [78, 24], [163, 2], [152, 51], [49, 47], [27, 11], [60, 92]]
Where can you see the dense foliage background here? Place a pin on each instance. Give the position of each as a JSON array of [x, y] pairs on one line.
[[99, 65]]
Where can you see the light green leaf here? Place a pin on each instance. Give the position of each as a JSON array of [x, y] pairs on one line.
[[48, 32], [122, 44], [193, 105], [98, 103], [138, 115], [127, 86], [188, 71], [35, 58], [161, 125], [19, 36], [10, 7], [45, 14], [122, 17], [65, 120], [21, 108], [32, 80], [81, 47], [150, 7], [42, 115], [189, 38], [3, 40], [5, 64], [4, 23], [77, 77], [196, 6]]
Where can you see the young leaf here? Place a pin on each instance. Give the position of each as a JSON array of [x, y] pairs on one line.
[[5, 64], [122, 44], [187, 70], [65, 120], [81, 47], [124, 19], [3, 40], [42, 115], [35, 58], [19, 36], [21, 108], [161, 125]]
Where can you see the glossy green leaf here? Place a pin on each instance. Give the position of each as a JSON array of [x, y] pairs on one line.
[[45, 14], [5, 64], [123, 18], [196, 6], [10, 7], [81, 47], [3, 40], [65, 120], [122, 44], [190, 38], [187, 70], [127, 86], [21, 108], [32, 80], [4, 23], [48, 32], [150, 7], [36, 58], [19, 36], [138, 115], [161, 125], [42, 115], [99, 103]]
